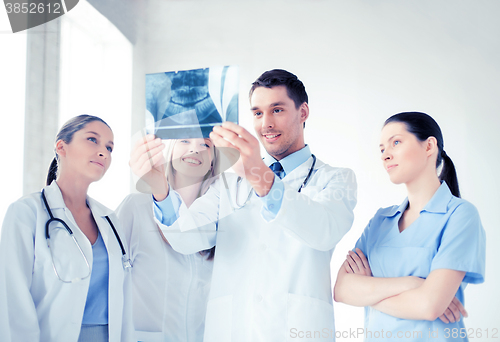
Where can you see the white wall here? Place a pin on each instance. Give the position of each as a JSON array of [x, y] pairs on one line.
[[362, 61]]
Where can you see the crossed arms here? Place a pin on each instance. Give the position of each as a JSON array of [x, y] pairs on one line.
[[403, 297]]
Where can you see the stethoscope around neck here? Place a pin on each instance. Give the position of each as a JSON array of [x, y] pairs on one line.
[[238, 181], [125, 260]]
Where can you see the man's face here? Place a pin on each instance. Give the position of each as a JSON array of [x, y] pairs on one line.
[[277, 122]]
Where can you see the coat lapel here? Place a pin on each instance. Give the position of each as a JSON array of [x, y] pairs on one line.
[[295, 178]]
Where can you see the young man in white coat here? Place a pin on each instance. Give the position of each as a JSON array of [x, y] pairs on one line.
[[275, 232]]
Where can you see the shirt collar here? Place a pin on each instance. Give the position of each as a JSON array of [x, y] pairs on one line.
[[437, 204], [54, 196], [291, 161]]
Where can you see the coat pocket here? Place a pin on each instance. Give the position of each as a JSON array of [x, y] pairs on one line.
[[218, 322], [309, 319]]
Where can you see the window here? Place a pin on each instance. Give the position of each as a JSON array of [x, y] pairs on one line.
[[96, 79], [12, 90]]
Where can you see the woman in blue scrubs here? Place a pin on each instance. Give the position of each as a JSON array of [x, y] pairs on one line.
[[412, 263]]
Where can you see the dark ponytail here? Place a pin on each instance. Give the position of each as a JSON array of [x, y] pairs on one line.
[[423, 126], [52, 174], [449, 174], [66, 134]]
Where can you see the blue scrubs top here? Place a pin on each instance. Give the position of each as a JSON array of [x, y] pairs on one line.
[[447, 235], [96, 307]]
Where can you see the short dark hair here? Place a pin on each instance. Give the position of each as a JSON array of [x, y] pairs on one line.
[[278, 77]]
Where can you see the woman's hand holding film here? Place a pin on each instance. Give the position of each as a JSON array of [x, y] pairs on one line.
[[148, 163]]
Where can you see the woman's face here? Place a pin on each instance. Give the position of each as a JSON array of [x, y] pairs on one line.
[[89, 152], [192, 157], [404, 156]]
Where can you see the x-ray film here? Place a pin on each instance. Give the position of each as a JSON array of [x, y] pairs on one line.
[[188, 103]]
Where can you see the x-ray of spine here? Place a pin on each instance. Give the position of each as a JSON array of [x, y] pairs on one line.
[[188, 103]]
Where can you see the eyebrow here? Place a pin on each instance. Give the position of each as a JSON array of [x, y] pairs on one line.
[[381, 145], [276, 104], [109, 142]]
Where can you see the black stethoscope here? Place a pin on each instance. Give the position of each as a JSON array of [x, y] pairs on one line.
[[309, 174], [125, 261], [238, 181]]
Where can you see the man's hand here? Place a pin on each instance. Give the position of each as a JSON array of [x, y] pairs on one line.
[[254, 170], [148, 163]]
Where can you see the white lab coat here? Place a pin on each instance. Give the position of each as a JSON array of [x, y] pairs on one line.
[[271, 280], [35, 304], [170, 290]]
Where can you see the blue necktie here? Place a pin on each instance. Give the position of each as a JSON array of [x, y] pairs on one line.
[[277, 168]]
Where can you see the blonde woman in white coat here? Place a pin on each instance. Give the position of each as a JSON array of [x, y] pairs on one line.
[[60, 287], [170, 289]]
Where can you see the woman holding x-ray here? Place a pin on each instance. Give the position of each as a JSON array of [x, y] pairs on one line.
[[170, 289], [61, 252]]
